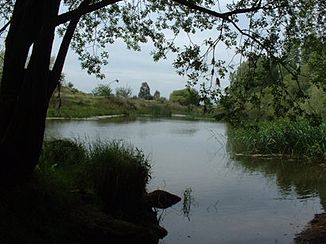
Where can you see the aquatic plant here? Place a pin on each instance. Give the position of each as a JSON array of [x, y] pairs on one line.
[[187, 202], [292, 138]]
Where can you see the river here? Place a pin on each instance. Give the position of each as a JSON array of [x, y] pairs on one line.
[[227, 200]]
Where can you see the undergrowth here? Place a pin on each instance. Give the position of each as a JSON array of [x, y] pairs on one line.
[[81, 193]]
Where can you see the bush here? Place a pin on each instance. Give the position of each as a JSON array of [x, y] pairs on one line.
[[124, 92], [103, 90]]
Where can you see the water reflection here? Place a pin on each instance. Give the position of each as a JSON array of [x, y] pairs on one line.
[[306, 179], [300, 177], [188, 200], [226, 200]]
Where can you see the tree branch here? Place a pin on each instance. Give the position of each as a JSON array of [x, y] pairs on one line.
[[5, 26], [224, 15], [248, 35], [64, 47], [77, 13]]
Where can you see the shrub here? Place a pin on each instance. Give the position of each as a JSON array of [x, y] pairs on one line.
[[124, 92], [103, 90]]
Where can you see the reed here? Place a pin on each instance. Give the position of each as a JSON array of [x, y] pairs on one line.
[[293, 138]]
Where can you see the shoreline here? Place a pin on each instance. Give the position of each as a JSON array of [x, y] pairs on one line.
[[112, 116]]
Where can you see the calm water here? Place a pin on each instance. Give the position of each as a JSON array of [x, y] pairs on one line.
[[229, 201]]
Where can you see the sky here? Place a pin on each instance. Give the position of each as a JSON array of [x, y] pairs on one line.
[[132, 68]]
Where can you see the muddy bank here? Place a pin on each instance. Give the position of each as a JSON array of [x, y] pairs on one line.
[[315, 231]]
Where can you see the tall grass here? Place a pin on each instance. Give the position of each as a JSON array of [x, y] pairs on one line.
[[119, 175], [115, 172], [80, 192], [294, 138]]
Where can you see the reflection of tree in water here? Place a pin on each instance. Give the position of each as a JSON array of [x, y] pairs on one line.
[[306, 179]]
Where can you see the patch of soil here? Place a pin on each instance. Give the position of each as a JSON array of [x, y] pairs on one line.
[[315, 231]]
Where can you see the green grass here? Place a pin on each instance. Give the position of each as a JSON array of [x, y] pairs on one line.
[[81, 193], [119, 175], [293, 138], [75, 104]]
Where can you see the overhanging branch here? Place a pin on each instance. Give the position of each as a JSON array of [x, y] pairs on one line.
[[77, 13], [224, 15]]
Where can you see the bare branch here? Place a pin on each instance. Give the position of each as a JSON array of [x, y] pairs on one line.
[[77, 13], [242, 32]]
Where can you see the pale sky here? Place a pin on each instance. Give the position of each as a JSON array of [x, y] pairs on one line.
[[132, 68]]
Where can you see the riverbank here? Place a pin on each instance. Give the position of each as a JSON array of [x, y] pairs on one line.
[[315, 231], [82, 194], [73, 104]]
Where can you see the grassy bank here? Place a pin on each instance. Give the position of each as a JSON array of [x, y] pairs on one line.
[[75, 104], [280, 137], [82, 194]]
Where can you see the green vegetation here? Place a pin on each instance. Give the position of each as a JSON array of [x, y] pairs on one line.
[[187, 96], [274, 111], [125, 92], [81, 194], [262, 89], [118, 174], [103, 90], [71, 103], [281, 137]]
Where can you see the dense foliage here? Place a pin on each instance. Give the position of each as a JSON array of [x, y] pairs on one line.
[[187, 96], [261, 89]]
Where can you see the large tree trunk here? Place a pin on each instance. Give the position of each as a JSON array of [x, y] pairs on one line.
[[25, 91]]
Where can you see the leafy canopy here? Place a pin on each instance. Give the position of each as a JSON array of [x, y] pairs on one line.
[[269, 27], [256, 90]]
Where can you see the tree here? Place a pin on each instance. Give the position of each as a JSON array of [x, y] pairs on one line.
[[70, 85], [145, 91], [256, 90], [89, 25], [124, 92], [103, 90], [157, 95], [187, 96]]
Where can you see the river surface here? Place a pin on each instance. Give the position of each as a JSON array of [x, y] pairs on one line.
[[224, 200]]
